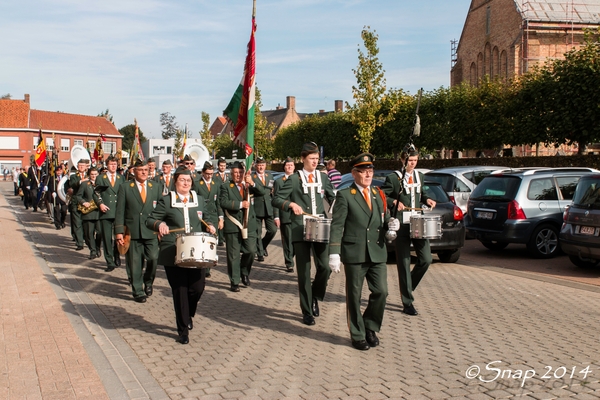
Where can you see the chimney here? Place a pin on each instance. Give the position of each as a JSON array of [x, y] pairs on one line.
[[338, 105], [321, 111], [291, 102], [26, 98], [278, 107]]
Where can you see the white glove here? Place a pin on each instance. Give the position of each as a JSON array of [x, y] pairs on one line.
[[53, 195], [393, 224], [334, 263]]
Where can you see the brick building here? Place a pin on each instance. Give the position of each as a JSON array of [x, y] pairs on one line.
[[507, 37], [20, 125]]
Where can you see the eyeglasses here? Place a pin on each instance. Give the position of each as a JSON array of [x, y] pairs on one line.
[[183, 180], [189, 163]]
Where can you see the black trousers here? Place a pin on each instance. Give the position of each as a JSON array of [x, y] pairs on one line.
[[187, 286], [60, 214]]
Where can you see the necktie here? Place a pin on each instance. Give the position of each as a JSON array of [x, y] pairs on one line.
[[410, 181], [143, 192], [262, 179], [242, 191], [367, 197], [310, 178], [184, 200], [167, 181], [208, 186], [112, 180]]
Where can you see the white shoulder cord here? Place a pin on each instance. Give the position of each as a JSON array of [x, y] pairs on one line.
[[186, 213], [314, 188]]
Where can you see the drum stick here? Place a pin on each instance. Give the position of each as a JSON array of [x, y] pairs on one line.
[[312, 215]]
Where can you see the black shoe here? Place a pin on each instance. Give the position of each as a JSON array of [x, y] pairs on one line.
[[62, 225], [245, 280], [289, 268], [265, 253], [410, 310], [141, 299], [92, 255], [109, 268], [79, 248], [372, 338], [148, 290], [118, 261], [190, 324], [183, 339], [207, 275], [260, 258], [360, 344], [57, 227], [315, 307], [235, 288], [98, 254], [308, 319]]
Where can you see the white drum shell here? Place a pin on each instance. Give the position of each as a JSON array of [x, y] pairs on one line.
[[426, 226], [196, 250], [317, 230]]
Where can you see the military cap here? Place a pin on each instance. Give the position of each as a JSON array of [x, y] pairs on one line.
[[83, 161], [364, 160], [222, 159], [321, 167], [181, 171], [288, 159], [139, 163], [310, 147], [238, 164], [187, 158], [207, 165], [151, 160], [260, 160], [167, 162], [110, 158]]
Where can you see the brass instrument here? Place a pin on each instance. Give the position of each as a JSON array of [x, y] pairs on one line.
[[86, 210]]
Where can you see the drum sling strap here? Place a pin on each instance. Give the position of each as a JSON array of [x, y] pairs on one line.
[[186, 213], [311, 189]]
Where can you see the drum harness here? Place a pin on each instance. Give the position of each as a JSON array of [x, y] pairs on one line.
[[186, 213], [311, 189]]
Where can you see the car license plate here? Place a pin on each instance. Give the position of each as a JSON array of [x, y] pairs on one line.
[[587, 230], [484, 215]]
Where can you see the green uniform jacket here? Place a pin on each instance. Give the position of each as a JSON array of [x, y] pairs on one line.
[[74, 181], [292, 191], [108, 194], [85, 194], [212, 207], [262, 204], [217, 176], [393, 185], [174, 218], [131, 211], [230, 200], [285, 217], [357, 233]]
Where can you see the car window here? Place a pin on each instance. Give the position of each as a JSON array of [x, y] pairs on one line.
[[479, 175], [447, 181], [459, 186], [436, 193], [567, 185], [542, 189], [588, 193], [470, 176], [497, 188]]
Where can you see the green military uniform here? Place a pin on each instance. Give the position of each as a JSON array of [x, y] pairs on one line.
[[230, 200], [76, 222], [108, 196], [285, 227], [221, 179], [358, 234], [90, 226], [294, 190], [187, 284], [133, 212], [408, 280], [264, 212], [213, 211]]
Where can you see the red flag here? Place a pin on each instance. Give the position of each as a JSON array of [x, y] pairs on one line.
[[40, 151]]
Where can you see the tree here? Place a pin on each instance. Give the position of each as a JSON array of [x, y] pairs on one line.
[[263, 141], [106, 114], [7, 96], [369, 92], [224, 147], [128, 132], [170, 127], [205, 133]]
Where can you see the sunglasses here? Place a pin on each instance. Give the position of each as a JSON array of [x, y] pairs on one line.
[[189, 163]]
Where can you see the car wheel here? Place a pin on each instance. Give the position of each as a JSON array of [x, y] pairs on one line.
[[449, 256], [583, 264], [544, 242], [494, 245]]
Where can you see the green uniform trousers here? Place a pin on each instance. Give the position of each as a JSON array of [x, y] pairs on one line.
[[286, 243], [140, 250], [376, 275], [239, 264], [76, 225], [91, 232], [107, 229], [409, 280], [317, 289], [269, 235]]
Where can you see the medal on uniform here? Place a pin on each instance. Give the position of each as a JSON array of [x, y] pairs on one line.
[[199, 214]]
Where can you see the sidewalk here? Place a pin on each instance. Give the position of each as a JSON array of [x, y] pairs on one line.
[[84, 337]]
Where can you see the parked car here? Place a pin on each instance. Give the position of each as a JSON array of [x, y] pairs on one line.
[[459, 182], [580, 232], [379, 175], [449, 246], [522, 207]]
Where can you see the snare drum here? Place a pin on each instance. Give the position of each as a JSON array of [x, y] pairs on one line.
[[196, 250], [425, 226], [317, 230]]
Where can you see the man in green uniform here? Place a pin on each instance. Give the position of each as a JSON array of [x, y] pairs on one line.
[[264, 208], [222, 176], [135, 201], [239, 238], [108, 185], [409, 190], [165, 177], [84, 197], [358, 235], [76, 222], [283, 219], [209, 189], [303, 194]]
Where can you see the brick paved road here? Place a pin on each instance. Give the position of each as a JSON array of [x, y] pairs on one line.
[[252, 344]]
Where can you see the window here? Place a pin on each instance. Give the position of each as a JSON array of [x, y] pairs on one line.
[[109, 148], [542, 189], [77, 142], [65, 145], [567, 185], [49, 144], [169, 149], [488, 18]]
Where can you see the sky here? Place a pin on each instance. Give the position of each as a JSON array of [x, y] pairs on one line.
[[141, 58]]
